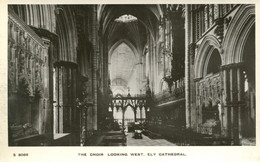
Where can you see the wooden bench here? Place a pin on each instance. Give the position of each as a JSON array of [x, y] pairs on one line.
[[114, 138]]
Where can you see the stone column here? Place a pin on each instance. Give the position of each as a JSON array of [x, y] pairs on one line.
[[95, 56], [138, 68], [155, 63], [56, 100], [226, 123], [240, 90], [231, 101], [233, 92], [235, 106], [187, 64]]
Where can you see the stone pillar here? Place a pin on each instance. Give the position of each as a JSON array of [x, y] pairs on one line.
[[187, 65], [231, 101], [138, 68], [240, 90], [235, 106], [233, 90], [56, 100], [228, 101], [155, 64], [226, 123], [95, 56]]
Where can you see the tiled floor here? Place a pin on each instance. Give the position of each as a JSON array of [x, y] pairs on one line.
[[146, 141]]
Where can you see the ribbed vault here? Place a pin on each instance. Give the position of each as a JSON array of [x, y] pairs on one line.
[[134, 32], [147, 14]]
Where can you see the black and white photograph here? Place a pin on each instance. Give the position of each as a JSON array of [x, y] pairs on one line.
[[129, 81], [131, 75]]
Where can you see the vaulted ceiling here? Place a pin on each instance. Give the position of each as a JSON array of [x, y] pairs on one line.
[[126, 40], [147, 14], [134, 32]]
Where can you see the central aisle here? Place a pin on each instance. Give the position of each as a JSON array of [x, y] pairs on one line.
[[146, 141]]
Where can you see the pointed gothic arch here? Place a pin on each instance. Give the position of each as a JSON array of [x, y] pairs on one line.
[[118, 43], [206, 48], [237, 34]]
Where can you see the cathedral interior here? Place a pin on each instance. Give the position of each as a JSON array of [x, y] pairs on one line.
[[88, 75]]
